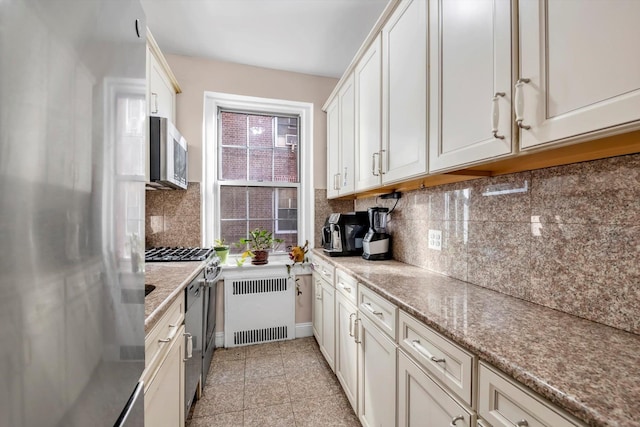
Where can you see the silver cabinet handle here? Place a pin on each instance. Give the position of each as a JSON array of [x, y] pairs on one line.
[[423, 351], [522, 423], [495, 114], [189, 338], [455, 419], [326, 273], [351, 325], [373, 166], [336, 181], [166, 339], [519, 103], [155, 102], [380, 168], [344, 180], [372, 310], [345, 287], [356, 332]]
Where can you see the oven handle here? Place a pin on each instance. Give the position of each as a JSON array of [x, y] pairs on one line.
[[189, 339]]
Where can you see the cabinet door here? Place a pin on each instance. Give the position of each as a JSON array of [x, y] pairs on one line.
[[333, 149], [421, 402], [164, 398], [347, 348], [328, 346], [347, 98], [161, 92], [317, 308], [470, 82], [581, 75], [376, 377], [368, 81], [404, 92]]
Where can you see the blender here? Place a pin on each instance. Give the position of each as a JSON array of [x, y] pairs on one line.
[[377, 243]]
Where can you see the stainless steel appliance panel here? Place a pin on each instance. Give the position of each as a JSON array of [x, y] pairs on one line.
[[193, 324], [72, 140]]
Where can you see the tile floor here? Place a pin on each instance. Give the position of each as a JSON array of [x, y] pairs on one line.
[[283, 384]]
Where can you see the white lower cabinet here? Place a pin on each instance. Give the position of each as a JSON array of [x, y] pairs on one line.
[[347, 348], [164, 395], [323, 318], [376, 376], [422, 402], [504, 403], [163, 376]]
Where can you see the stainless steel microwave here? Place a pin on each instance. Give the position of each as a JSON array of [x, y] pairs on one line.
[[168, 155]]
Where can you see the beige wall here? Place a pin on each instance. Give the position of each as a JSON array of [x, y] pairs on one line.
[[197, 75]]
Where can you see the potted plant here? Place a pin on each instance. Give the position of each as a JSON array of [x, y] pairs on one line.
[[222, 250], [259, 242]]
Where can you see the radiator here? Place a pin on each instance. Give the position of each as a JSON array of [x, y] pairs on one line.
[[259, 310]]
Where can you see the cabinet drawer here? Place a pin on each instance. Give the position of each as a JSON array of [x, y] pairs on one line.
[[503, 402], [381, 312], [443, 359], [323, 269], [165, 329], [421, 398], [347, 286]]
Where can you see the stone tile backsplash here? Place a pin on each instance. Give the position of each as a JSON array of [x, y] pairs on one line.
[[566, 237], [173, 217]]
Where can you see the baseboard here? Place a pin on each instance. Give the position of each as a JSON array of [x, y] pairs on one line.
[[304, 330]]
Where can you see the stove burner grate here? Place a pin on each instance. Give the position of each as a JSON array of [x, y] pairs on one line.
[[165, 254]]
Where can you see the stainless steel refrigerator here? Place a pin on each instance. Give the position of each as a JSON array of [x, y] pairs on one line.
[[72, 135]]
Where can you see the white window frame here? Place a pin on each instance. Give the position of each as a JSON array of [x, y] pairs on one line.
[[213, 102]]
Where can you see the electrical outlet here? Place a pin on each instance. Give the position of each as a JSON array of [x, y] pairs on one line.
[[435, 240]]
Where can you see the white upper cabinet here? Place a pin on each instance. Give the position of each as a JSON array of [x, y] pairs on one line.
[[368, 80], [470, 82], [333, 149], [347, 97], [404, 92], [162, 84], [579, 69], [341, 163]]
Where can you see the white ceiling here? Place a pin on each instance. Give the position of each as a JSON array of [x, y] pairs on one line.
[[318, 37]]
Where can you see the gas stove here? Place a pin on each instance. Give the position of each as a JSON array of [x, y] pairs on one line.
[[165, 254]]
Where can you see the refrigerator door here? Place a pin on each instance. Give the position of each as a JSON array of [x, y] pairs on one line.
[[72, 141]]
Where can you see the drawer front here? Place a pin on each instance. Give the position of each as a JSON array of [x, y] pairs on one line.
[[347, 286], [164, 331], [323, 269], [420, 398], [380, 311], [444, 360], [503, 402]]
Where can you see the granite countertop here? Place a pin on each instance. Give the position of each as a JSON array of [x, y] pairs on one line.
[[589, 369], [170, 279]]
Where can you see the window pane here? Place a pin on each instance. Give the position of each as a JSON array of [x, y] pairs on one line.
[[233, 203], [233, 163], [233, 128], [260, 202], [260, 165], [260, 131], [232, 231], [285, 165]]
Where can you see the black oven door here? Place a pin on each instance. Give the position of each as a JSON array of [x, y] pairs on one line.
[[209, 326]]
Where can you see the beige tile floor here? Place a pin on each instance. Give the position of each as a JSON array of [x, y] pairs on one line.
[[283, 384]]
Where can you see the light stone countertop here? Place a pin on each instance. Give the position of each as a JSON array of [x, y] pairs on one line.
[[589, 369], [170, 279]]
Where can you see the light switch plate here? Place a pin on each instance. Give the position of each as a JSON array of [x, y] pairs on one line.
[[435, 240]]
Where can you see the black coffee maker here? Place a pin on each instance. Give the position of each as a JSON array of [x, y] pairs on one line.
[[377, 243], [343, 233]]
